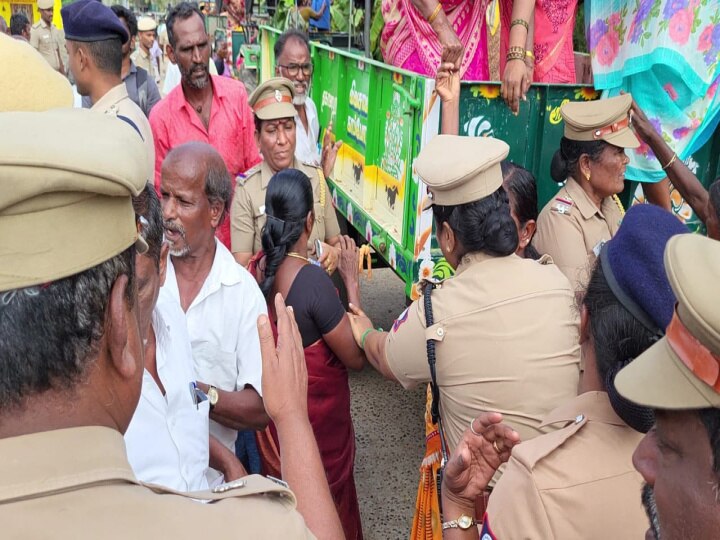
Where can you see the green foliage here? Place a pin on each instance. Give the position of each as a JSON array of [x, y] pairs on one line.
[[376, 29], [579, 38], [340, 17]]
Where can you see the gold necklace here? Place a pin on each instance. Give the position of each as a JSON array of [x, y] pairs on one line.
[[297, 256]]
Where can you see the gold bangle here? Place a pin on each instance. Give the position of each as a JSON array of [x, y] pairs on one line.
[[672, 160], [435, 13], [520, 22], [530, 55], [516, 49]]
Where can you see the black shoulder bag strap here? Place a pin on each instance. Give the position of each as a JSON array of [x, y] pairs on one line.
[[434, 389]]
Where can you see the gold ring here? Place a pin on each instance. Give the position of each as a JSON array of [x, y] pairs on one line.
[[495, 446]]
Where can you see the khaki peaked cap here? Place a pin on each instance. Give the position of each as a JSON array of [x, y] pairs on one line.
[[273, 99], [609, 120], [459, 170], [45, 4], [682, 370], [67, 178], [146, 24]]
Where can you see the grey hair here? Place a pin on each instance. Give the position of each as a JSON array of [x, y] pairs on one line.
[[147, 208], [218, 187], [49, 335]]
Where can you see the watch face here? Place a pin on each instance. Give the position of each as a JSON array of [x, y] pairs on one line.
[[465, 522], [212, 396]]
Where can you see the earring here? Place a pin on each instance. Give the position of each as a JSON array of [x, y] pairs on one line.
[[587, 177]]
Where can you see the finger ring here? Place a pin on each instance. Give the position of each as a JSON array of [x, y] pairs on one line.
[[473, 429], [495, 446]]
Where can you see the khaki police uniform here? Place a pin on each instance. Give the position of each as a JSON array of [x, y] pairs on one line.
[[156, 67], [505, 328], [117, 103], [273, 100], [248, 208], [576, 482], [76, 482], [49, 41], [680, 371], [571, 228]]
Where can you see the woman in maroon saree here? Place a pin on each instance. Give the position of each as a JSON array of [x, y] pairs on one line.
[[330, 349]]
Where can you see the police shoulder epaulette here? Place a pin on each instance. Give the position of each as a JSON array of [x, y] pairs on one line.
[[248, 485], [241, 179], [562, 205], [535, 450]]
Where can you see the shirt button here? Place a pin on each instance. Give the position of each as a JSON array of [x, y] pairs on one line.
[[440, 332]]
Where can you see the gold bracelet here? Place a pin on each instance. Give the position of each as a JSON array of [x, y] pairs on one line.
[[435, 13], [520, 22], [516, 48], [672, 160], [530, 55], [514, 56]]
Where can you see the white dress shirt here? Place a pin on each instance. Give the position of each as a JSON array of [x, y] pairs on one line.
[[306, 142], [222, 323], [167, 440]]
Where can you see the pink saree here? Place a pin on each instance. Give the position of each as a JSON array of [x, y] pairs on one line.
[[410, 43], [553, 47]]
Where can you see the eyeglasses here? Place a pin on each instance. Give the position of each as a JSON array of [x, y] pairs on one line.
[[294, 69]]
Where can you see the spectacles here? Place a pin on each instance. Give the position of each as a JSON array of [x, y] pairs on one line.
[[294, 69]]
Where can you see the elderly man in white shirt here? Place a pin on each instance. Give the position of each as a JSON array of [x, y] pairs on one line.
[[292, 61], [221, 300], [168, 437]]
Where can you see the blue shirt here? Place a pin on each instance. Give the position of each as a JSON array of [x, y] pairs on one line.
[[323, 23]]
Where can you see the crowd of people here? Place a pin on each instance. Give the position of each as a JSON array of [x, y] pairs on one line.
[[170, 323]]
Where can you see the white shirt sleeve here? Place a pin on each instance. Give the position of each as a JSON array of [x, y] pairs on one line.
[[249, 360]]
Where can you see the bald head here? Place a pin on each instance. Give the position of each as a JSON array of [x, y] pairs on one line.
[[196, 190], [200, 162]]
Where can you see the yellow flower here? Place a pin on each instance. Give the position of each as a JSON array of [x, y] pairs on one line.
[[489, 91], [587, 93]]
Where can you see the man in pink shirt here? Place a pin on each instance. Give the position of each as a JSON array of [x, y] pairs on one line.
[[202, 108]]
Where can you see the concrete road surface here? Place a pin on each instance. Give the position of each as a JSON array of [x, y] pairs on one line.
[[389, 427]]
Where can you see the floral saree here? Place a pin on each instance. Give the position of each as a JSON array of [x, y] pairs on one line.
[[664, 52]]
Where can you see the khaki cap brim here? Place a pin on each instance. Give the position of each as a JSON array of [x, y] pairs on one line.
[[625, 138], [276, 111], [489, 186], [658, 379]]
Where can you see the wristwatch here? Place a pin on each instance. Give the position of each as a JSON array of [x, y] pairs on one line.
[[463, 522], [213, 396]]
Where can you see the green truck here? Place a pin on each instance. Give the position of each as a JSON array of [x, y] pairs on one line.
[[385, 115]]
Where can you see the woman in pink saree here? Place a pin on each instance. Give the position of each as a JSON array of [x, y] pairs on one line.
[[543, 29], [418, 32]]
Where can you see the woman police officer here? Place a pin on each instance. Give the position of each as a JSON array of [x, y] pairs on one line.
[[272, 103], [504, 328], [586, 212]]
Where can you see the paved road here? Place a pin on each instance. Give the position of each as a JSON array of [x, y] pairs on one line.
[[389, 428]]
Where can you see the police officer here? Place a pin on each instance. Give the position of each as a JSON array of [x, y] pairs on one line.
[[72, 355], [579, 481], [48, 39], [504, 328], [272, 103], [97, 69], [678, 378], [144, 56], [586, 211]]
